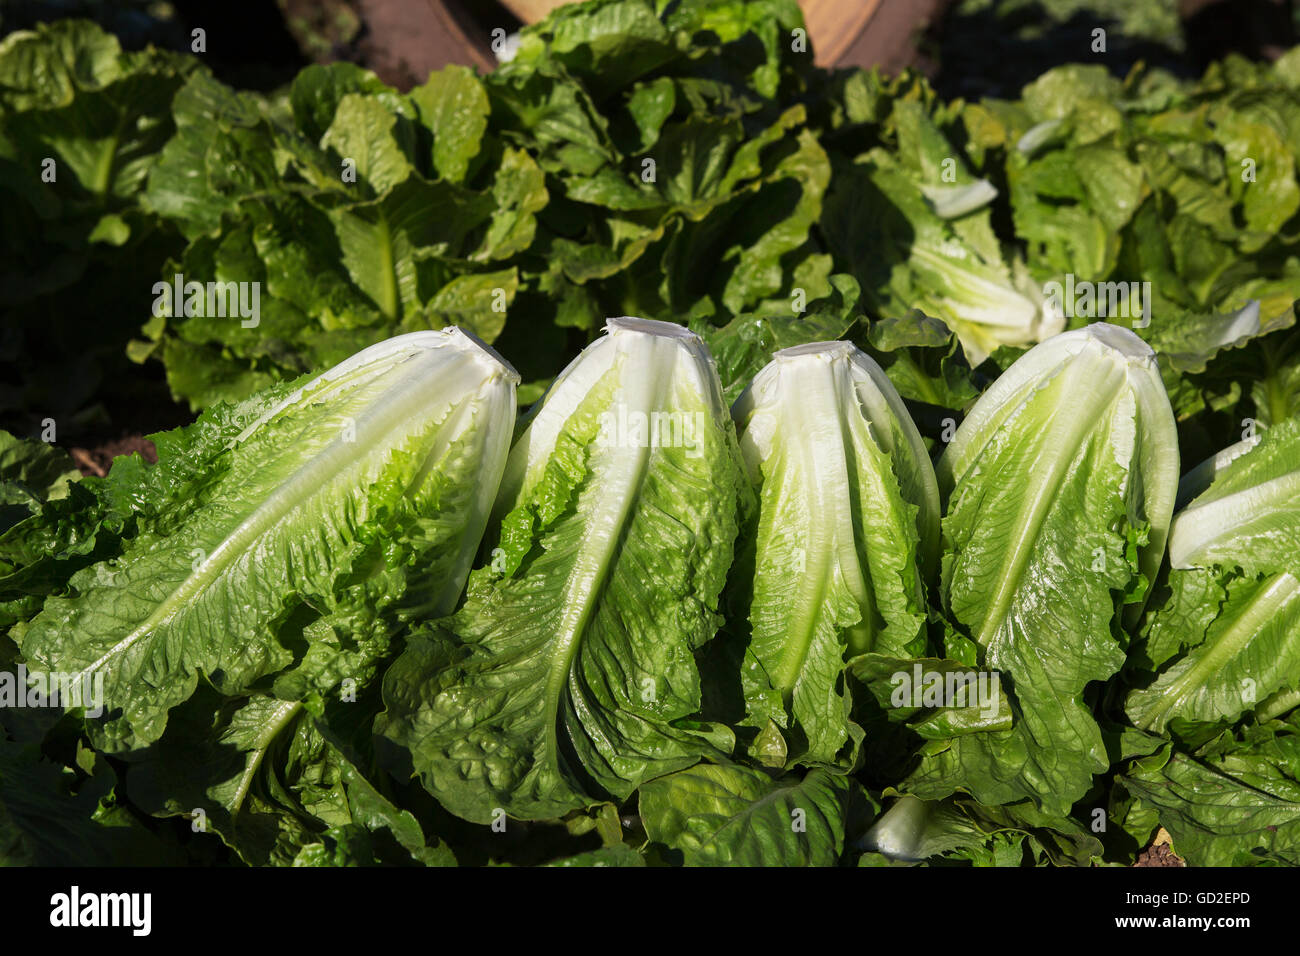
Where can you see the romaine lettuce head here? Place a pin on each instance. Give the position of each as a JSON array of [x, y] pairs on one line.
[[836, 559], [1060, 484], [569, 673], [1226, 635], [330, 514]]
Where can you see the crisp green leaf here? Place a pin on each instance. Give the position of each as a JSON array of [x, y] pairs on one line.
[[728, 815]]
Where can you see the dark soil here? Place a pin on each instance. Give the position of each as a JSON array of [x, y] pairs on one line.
[[98, 460], [1162, 855]]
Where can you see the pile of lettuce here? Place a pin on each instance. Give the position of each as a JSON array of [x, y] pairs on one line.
[[693, 166], [684, 162], [364, 618], [908, 399]]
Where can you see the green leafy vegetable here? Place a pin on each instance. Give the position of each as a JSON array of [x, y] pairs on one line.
[[1060, 486], [340, 622], [728, 815], [1234, 803], [1228, 635], [846, 528], [963, 832], [330, 514], [569, 671]]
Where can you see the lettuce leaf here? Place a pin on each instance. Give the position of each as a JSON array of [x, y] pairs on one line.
[[730, 815]]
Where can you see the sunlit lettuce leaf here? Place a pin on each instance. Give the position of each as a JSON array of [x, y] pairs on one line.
[[889, 237], [1227, 634], [1243, 646], [1248, 517], [72, 94], [925, 361], [747, 343]]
